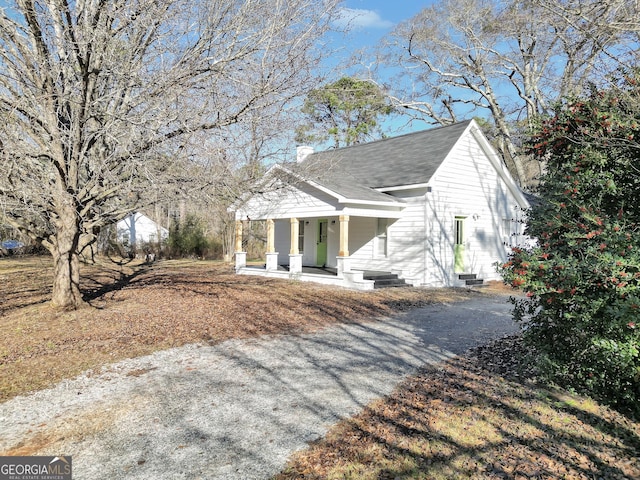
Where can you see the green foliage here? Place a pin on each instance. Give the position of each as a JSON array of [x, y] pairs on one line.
[[188, 239], [582, 281], [345, 111]]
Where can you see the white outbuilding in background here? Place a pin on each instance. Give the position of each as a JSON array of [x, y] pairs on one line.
[[137, 229]]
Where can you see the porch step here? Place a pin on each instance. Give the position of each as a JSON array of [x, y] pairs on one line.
[[385, 279], [470, 279]]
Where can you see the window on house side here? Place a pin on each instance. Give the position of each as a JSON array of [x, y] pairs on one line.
[[381, 238], [511, 232], [506, 231], [301, 236]]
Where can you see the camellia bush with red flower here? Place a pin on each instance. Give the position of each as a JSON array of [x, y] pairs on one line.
[[582, 279]]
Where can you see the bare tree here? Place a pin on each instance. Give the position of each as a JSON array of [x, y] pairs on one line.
[[96, 97], [507, 61]]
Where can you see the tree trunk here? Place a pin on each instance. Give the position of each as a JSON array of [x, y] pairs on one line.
[[66, 281], [66, 265]]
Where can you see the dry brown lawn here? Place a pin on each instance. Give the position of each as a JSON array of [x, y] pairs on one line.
[[134, 309], [469, 418], [462, 421]]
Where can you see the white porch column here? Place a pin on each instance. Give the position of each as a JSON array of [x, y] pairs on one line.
[[271, 235], [241, 257], [293, 241], [343, 260], [295, 258], [344, 236], [272, 255]]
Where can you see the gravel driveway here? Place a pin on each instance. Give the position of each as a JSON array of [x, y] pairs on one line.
[[237, 410]]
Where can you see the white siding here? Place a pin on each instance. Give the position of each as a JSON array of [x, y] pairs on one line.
[[467, 185], [303, 201], [361, 234], [405, 241], [281, 240], [408, 239]]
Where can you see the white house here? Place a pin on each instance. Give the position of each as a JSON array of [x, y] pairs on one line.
[[435, 208], [137, 229]]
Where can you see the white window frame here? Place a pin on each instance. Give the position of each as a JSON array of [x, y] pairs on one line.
[[301, 236], [506, 231], [381, 244], [512, 232]]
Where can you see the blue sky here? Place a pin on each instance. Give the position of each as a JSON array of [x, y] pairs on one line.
[[369, 21], [372, 19]]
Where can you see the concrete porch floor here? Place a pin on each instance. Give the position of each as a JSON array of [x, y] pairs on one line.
[[312, 270], [370, 279]]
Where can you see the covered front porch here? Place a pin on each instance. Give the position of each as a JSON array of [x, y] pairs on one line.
[[314, 233], [311, 243]]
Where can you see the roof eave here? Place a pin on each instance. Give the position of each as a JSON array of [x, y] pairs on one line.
[[498, 164], [354, 201], [413, 186], [372, 203]]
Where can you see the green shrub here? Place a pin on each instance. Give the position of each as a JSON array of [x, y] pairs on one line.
[[582, 280], [188, 239]]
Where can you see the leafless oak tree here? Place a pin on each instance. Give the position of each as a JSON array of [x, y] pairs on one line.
[[97, 97], [507, 61]]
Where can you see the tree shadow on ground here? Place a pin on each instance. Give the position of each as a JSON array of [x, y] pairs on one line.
[[458, 421], [24, 282], [110, 280]]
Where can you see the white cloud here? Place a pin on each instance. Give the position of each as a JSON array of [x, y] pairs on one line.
[[359, 18]]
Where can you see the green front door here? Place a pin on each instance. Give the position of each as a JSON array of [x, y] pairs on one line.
[[321, 250], [459, 245]]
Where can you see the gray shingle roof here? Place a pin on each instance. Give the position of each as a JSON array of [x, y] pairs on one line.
[[409, 159]]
